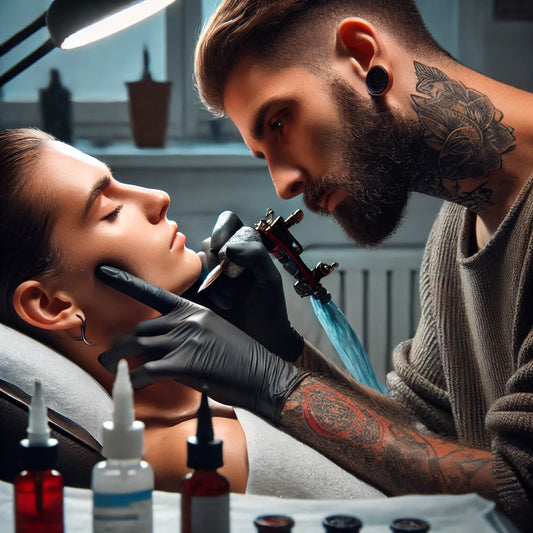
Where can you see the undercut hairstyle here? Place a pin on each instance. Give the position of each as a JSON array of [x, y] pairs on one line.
[[281, 33], [26, 221]]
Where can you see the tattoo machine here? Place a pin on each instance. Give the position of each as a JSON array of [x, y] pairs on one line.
[[279, 241]]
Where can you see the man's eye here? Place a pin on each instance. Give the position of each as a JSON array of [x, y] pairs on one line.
[[278, 123], [114, 214]]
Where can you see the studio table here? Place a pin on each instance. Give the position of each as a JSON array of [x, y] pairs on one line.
[[444, 513]]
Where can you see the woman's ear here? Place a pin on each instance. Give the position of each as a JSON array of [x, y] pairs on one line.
[[45, 308]]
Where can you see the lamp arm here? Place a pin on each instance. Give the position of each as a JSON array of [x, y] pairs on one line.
[[27, 61], [37, 24]]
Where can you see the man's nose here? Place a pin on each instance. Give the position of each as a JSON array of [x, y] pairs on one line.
[[288, 180]]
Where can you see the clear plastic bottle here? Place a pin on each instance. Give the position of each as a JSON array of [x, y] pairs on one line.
[[122, 485], [205, 492], [39, 487]]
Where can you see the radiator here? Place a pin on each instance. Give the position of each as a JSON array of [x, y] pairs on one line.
[[376, 289]]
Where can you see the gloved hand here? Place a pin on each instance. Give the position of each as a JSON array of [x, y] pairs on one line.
[[195, 346], [254, 301]]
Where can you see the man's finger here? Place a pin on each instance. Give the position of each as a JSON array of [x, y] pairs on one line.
[[157, 298], [226, 225]]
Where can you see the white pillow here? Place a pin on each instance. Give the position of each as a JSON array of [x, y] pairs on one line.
[[67, 388]]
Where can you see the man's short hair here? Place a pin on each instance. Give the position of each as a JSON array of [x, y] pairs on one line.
[[284, 32]]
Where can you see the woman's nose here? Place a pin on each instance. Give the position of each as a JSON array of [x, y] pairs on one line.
[[155, 203], [288, 180]]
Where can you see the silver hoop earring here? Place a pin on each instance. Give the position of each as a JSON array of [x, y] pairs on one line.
[[83, 338]]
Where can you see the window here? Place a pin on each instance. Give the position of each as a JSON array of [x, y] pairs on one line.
[[96, 74]]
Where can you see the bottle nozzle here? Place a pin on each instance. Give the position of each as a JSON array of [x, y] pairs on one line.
[[123, 413], [123, 436], [203, 450], [38, 429], [204, 430]]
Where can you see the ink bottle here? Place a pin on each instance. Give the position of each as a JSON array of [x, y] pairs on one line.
[[277, 523], [205, 492], [342, 523], [39, 487], [122, 484], [409, 525]]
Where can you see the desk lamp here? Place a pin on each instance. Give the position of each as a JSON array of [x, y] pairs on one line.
[[74, 23]]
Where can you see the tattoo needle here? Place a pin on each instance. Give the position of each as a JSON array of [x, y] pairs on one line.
[[213, 275]]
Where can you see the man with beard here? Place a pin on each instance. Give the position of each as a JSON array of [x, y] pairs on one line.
[[354, 105]]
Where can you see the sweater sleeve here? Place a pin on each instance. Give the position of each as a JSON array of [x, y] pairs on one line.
[[510, 423]]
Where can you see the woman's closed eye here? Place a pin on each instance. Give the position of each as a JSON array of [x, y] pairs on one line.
[[114, 214]]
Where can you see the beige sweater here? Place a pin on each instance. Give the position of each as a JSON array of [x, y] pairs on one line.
[[468, 371]]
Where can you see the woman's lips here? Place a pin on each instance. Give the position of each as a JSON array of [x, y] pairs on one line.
[[179, 241]]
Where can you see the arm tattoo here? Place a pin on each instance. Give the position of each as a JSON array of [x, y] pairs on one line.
[[368, 435], [465, 134]]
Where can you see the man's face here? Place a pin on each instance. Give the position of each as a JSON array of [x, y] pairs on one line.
[[100, 220], [323, 140]]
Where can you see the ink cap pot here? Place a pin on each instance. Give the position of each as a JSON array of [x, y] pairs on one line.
[[409, 525], [342, 523], [274, 523]]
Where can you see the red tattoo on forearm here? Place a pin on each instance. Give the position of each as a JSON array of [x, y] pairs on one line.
[[341, 420], [369, 437]]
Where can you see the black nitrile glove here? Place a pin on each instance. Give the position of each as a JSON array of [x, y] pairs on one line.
[[195, 346], [254, 301]]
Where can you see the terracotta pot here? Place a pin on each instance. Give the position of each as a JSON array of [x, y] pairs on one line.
[[149, 108]]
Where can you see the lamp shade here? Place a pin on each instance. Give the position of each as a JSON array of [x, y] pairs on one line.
[[74, 23]]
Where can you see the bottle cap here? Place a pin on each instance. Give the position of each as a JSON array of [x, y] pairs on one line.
[[123, 436], [204, 452], [344, 523], [411, 525], [274, 523], [38, 451]]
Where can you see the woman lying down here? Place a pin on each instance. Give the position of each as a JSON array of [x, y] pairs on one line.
[[62, 214]]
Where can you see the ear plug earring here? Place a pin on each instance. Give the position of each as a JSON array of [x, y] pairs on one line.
[[377, 80], [82, 332]]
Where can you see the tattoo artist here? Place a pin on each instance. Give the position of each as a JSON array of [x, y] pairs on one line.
[[354, 105]]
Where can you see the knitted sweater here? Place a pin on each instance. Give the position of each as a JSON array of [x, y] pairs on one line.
[[468, 371]]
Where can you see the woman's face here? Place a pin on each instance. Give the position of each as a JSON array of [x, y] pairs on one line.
[[102, 221]]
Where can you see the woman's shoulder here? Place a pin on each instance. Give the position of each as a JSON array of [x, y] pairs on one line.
[[170, 421]]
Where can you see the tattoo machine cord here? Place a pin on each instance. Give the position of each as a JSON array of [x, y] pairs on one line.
[[286, 249]]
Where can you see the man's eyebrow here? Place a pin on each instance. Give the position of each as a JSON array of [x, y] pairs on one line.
[[100, 185]]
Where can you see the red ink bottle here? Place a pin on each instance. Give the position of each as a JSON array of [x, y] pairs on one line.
[[274, 523], [205, 492], [39, 487]]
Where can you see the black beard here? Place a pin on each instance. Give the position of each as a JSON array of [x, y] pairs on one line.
[[382, 156]]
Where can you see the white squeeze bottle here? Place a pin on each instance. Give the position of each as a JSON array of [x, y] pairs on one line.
[[122, 485]]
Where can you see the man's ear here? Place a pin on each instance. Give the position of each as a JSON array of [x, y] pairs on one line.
[[359, 39], [43, 307]]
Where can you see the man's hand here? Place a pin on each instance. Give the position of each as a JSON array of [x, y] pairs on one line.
[[195, 346], [254, 301]]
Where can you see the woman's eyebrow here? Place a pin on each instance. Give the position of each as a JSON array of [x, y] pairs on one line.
[[101, 184]]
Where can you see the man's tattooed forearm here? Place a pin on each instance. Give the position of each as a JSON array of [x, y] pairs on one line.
[[391, 454]]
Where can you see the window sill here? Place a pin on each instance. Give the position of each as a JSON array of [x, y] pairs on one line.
[[174, 155]]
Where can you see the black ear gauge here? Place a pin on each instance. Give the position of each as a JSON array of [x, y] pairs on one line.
[[377, 81]]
